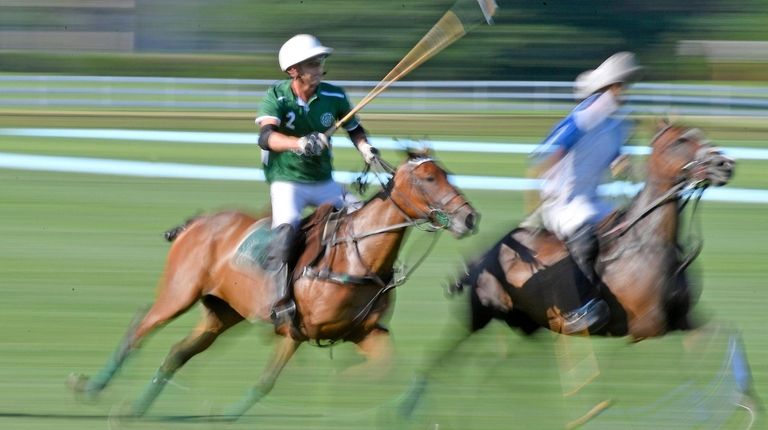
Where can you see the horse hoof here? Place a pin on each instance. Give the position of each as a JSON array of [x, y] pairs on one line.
[[119, 413], [230, 415], [216, 414], [78, 383]]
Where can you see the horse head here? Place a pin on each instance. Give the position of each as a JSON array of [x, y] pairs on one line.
[[420, 188], [684, 155]]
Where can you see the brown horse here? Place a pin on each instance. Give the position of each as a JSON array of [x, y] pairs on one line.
[[526, 279], [341, 290]]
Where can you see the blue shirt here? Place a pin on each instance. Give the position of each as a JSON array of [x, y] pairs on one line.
[[587, 155]]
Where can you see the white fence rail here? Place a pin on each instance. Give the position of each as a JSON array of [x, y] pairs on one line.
[[422, 96]]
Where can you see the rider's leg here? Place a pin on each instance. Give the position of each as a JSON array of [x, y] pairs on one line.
[[288, 201], [571, 220], [594, 312], [583, 247], [279, 254]]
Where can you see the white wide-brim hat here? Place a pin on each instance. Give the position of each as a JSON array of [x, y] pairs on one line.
[[619, 67]]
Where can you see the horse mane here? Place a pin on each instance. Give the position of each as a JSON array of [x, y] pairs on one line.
[[171, 234]]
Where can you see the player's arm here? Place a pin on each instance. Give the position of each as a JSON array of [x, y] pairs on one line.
[[271, 139], [359, 138]]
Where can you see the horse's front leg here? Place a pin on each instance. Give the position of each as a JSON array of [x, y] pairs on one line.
[[377, 349], [286, 347]]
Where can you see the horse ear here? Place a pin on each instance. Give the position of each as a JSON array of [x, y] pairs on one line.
[[418, 153], [662, 123]]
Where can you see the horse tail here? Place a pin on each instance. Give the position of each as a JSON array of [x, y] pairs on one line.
[[456, 286], [465, 279], [489, 261], [172, 234]]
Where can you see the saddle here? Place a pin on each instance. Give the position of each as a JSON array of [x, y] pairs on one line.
[[308, 245]]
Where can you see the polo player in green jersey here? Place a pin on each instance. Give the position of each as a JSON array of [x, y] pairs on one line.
[[297, 155]]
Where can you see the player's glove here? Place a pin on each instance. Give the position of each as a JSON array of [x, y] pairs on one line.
[[369, 152], [313, 144]]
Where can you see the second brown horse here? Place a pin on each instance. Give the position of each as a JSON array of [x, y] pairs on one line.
[[526, 278]]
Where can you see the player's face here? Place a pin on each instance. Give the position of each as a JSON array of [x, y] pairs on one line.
[[311, 70]]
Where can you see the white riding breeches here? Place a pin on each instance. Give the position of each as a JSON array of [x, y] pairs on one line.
[[290, 198], [563, 217]]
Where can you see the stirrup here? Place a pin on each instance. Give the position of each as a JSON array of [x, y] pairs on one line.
[[592, 316]]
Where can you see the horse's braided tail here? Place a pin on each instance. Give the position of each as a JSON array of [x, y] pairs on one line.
[[170, 235], [488, 261], [465, 279]]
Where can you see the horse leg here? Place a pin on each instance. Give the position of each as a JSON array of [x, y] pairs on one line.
[[171, 302], [218, 317], [376, 347], [418, 386], [142, 325], [90, 387], [476, 319], [286, 347]]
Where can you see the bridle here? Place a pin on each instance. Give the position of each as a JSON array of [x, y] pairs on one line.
[[436, 216], [686, 185], [689, 185]]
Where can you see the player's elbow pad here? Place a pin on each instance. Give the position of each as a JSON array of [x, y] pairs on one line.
[[264, 134]]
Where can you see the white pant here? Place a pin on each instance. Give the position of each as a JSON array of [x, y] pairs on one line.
[[564, 217], [290, 198]]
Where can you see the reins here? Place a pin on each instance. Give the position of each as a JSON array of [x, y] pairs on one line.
[[671, 195]]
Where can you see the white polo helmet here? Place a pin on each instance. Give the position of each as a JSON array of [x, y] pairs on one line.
[[299, 48], [619, 67]]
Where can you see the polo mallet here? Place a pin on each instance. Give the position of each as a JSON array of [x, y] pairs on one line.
[[454, 24]]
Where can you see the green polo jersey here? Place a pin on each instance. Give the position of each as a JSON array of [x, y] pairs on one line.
[[328, 105]]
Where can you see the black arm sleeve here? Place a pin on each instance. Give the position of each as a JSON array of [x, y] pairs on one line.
[[357, 134], [264, 135]]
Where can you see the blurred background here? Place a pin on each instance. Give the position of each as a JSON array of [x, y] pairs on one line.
[[121, 118], [541, 40]]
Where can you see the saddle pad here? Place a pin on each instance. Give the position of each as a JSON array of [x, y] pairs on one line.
[[252, 249]]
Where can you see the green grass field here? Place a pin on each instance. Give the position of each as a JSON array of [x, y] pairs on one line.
[[81, 253]]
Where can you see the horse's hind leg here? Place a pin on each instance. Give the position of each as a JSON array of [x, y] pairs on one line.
[[92, 386], [476, 319], [218, 317], [173, 300], [286, 347]]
